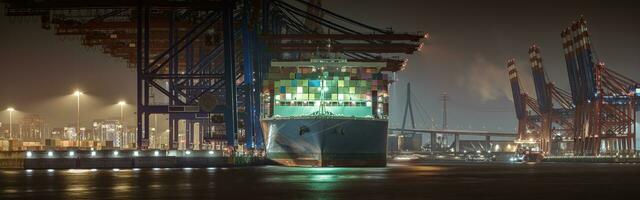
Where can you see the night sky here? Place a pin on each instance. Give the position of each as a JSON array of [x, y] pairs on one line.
[[465, 56]]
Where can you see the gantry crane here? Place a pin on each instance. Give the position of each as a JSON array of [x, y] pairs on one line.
[[597, 118], [528, 113], [555, 107], [187, 51], [605, 100]]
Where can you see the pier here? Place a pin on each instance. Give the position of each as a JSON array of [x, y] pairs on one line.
[[123, 159]]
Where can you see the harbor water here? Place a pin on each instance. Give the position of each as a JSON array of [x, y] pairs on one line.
[[397, 181]]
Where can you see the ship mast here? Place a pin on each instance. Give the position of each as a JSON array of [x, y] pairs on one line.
[[322, 92]]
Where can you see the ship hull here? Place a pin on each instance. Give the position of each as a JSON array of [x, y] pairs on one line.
[[322, 142]]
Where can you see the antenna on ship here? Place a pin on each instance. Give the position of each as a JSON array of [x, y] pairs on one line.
[[322, 92]]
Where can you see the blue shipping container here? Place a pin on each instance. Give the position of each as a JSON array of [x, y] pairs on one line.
[[314, 83]]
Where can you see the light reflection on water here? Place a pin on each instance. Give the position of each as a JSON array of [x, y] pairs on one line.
[[303, 183]]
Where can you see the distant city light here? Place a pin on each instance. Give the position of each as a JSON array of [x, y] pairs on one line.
[[122, 103], [93, 153], [188, 152], [10, 109], [50, 153], [72, 153], [115, 153], [77, 93], [210, 152], [29, 154], [136, 153], [156, 153]]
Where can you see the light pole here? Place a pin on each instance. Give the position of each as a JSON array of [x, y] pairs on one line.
[[10, 120], [122, 124], [77, 93]]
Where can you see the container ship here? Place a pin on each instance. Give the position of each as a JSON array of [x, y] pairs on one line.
[[326, 112]]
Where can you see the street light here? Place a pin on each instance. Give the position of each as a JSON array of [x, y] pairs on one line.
[[122, 129], [77, 93], [10, 109]]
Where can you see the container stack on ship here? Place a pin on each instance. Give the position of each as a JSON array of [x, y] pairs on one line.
[[325, 97]]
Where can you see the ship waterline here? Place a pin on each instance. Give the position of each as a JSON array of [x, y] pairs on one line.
[[324, 141]]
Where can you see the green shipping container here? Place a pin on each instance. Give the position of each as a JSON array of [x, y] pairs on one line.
[[341, 90]]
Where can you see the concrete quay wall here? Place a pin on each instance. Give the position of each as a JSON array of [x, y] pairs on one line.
[[121, 159]]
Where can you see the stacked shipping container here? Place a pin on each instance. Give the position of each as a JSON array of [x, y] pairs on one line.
[[344, 91]]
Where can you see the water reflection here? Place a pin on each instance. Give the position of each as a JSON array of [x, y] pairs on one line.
[[398, 181]]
